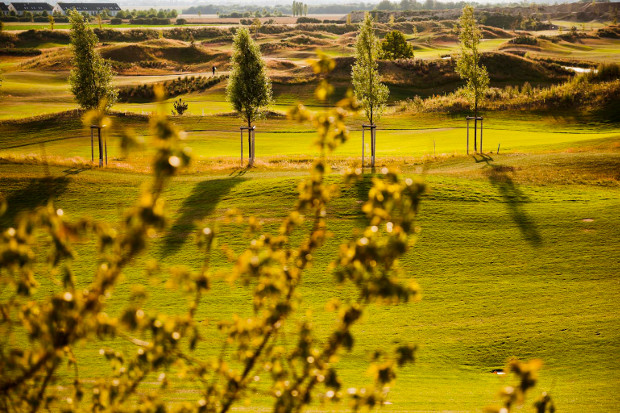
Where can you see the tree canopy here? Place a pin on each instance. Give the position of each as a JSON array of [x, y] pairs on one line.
[[249, 88], [91, 78], [395, 46], [468, 63], [365, 73]]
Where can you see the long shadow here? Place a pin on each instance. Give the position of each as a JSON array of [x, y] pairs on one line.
[[37, 193], [483, 158], [198, 205], [514, 199], [362, 187]]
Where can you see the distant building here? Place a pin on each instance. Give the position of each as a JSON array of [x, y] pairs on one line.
[[4, 9], [90, 8], [21, 8]]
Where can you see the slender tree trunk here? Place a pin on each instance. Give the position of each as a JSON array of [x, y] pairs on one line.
[[250, 151], [475, 125]]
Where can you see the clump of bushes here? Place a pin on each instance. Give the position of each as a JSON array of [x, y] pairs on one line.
[[524, 39], [183, 33], [611, 32], [308, 20], [180, 107], [181, 21], [152, 65], [176, 87], [150, 20], [133, 35], [54, 36], [583, 92], [116, 20], [605, 72], [329, 28], [11, 51]]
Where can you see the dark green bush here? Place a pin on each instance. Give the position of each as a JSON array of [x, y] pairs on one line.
[[176, 87], [607, 71], [308, 20], [524, 39], [133, 35], [10, 51], [116, 20], [150, 20]]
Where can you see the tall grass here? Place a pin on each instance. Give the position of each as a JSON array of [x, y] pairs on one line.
[[584, 91]]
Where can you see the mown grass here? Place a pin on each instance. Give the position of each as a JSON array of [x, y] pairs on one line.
[[509, 266], [400, 136]]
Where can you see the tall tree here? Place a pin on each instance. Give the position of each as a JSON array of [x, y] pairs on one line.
[[91, 79], [365, 73], [249, 88], [468, 64], [395, 46]]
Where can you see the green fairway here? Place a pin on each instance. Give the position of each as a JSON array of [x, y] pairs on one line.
[[398, 137], [507, 269]]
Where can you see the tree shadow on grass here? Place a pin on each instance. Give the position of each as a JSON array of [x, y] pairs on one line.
[[481, 157], [37, 193], [499, 176], [198, 205], [362, 187]]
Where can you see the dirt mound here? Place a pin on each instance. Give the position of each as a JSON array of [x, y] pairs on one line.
[[490, 32], [305, 40], [437, 73], [163, 43], [274, 64], [127, 53], [509, 67], [183, 55], [57, 59]]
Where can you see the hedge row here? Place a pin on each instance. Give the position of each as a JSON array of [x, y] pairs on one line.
[[10, 51], [179, 86], [150, 20]]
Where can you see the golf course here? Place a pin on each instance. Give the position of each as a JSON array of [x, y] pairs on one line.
[[516, 245]]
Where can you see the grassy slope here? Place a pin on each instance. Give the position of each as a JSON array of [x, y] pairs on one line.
[[507, 269], [403, 136]]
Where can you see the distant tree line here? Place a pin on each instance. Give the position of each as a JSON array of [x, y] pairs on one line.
[[275, 11], [33, 17], [147, 14], [299, 8], [43, 17]]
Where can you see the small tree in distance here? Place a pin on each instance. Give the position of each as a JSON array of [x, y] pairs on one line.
[[365, 73], [50, 18], [91, 78], [249, 88], [468, 63], [180, 107], [395, 46]]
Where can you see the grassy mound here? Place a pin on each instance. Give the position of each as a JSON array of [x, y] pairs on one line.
[[127, 53]]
